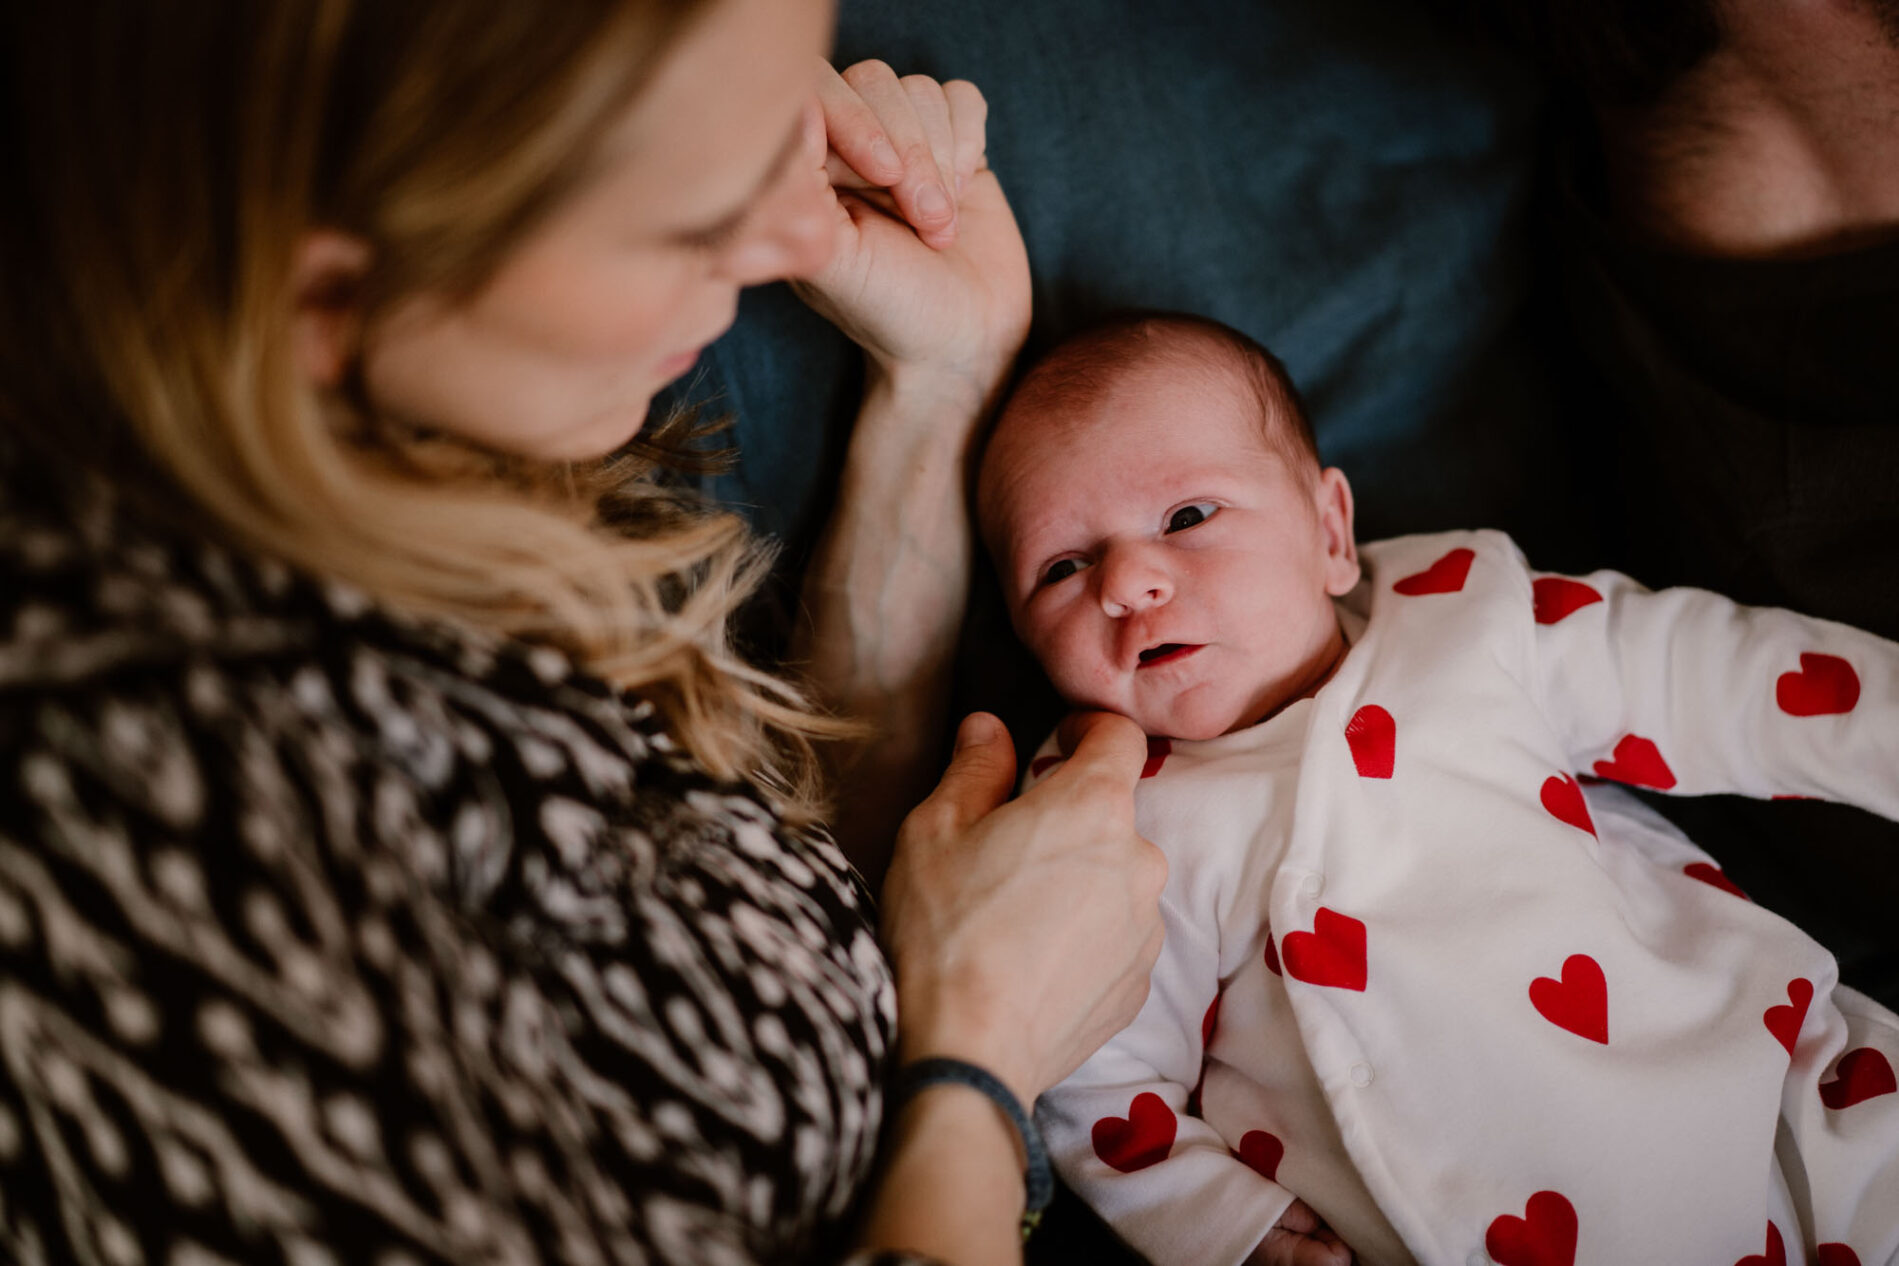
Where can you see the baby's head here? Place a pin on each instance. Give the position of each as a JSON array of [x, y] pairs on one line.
[[1167, 541]]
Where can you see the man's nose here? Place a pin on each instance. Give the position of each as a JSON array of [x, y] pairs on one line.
[[1132, 580]]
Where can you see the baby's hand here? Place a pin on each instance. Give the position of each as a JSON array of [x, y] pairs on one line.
[[1299, 1238]]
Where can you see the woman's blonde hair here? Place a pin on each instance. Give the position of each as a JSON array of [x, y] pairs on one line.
[[175, 155]]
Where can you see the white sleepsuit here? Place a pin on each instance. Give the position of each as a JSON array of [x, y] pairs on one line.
[[1470, 1013]]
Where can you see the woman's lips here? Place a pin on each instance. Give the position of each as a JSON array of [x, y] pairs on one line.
[[1166, 653], [673, 366]]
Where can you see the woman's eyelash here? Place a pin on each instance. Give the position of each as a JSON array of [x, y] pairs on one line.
[[714, 237]]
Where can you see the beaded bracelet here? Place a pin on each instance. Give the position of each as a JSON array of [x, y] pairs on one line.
[[1039, 1180]]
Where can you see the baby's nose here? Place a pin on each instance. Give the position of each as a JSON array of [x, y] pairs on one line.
[[1131, 583]]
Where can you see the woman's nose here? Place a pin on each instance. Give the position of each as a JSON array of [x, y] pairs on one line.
[[792, 232], [1132, 581]]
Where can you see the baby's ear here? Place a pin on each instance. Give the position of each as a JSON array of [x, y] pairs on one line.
[[1333, 501]]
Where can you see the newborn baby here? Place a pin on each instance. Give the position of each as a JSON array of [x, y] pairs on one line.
[[1465, 1005]]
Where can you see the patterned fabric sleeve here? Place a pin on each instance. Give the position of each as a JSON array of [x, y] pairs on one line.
[[239, 1021]]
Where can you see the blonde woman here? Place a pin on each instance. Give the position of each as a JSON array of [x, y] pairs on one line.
[[396, 862]]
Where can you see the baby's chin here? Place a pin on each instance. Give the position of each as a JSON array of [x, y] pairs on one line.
[[1196, 724]]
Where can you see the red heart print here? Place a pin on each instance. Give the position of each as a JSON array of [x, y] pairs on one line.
[[1331, 954], [1544, 1236], [1562, 796], [1263, 1152], [1834, 1255], [1373, 737], [1209, 1022], [1042, 764], [1638, 762], [1558, 596], [1861, 1074], [1776, 1254], [1710, 874], [1446, 575], [1158, 750], [1578, 1002], [1784, 1022], [1142, 1138], [1825, 685], [1272, 955]]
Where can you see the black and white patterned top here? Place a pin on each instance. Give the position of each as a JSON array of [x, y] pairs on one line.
[[331, 937]]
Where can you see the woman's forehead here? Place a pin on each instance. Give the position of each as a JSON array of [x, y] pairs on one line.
[[724, 106]]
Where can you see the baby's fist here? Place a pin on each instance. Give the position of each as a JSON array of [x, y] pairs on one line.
[[1299, 1238]]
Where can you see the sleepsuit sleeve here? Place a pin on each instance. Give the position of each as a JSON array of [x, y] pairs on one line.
[[1684, 691], [1122, 1135]]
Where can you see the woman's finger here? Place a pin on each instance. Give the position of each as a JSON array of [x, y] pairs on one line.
[[1108, 734], [969, 120], [933, 112], [855, 134], [926, 203]]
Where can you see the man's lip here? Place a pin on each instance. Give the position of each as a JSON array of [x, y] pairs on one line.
[[1167, 653]]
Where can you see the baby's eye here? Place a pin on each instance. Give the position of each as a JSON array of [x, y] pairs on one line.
[[1061, 569], [1191, 516]]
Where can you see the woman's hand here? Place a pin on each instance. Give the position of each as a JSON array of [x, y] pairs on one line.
[[929, 275], [1023, 933]]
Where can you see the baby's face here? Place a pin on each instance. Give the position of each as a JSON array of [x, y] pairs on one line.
[[1161, 559]]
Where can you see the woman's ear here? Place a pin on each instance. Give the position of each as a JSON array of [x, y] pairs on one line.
[[325, 281], [1334, 504]]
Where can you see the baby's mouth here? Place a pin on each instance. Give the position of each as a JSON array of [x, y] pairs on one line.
[[1166, 653]]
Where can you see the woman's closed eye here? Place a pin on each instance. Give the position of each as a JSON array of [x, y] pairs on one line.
[[1191, 516]]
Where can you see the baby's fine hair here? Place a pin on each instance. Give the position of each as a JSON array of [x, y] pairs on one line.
[[1080, 368]]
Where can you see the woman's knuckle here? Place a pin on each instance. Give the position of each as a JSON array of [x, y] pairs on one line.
[[967, 96], [870, 70]]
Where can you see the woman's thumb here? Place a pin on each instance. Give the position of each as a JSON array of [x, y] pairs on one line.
[[981, 772]]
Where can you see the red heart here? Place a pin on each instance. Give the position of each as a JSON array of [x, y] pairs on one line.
[[1272, 956], [1637, 762], [1142, 1138], [1544, 1236], [1373, 737], [1209, 1021], [1835, 1255], [1042, 764], [1860, 1075], [1776, 1251], [1562, 796], [1263, 1152], [1158, 750], [1331, 954], [1558, 596], [1825, 684], [1784, 1022], [1711, 875], [1579, 1002], [1446, 575]]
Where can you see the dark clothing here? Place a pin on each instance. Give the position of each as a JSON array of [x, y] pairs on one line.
[[330, 936], [1755, 404]]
